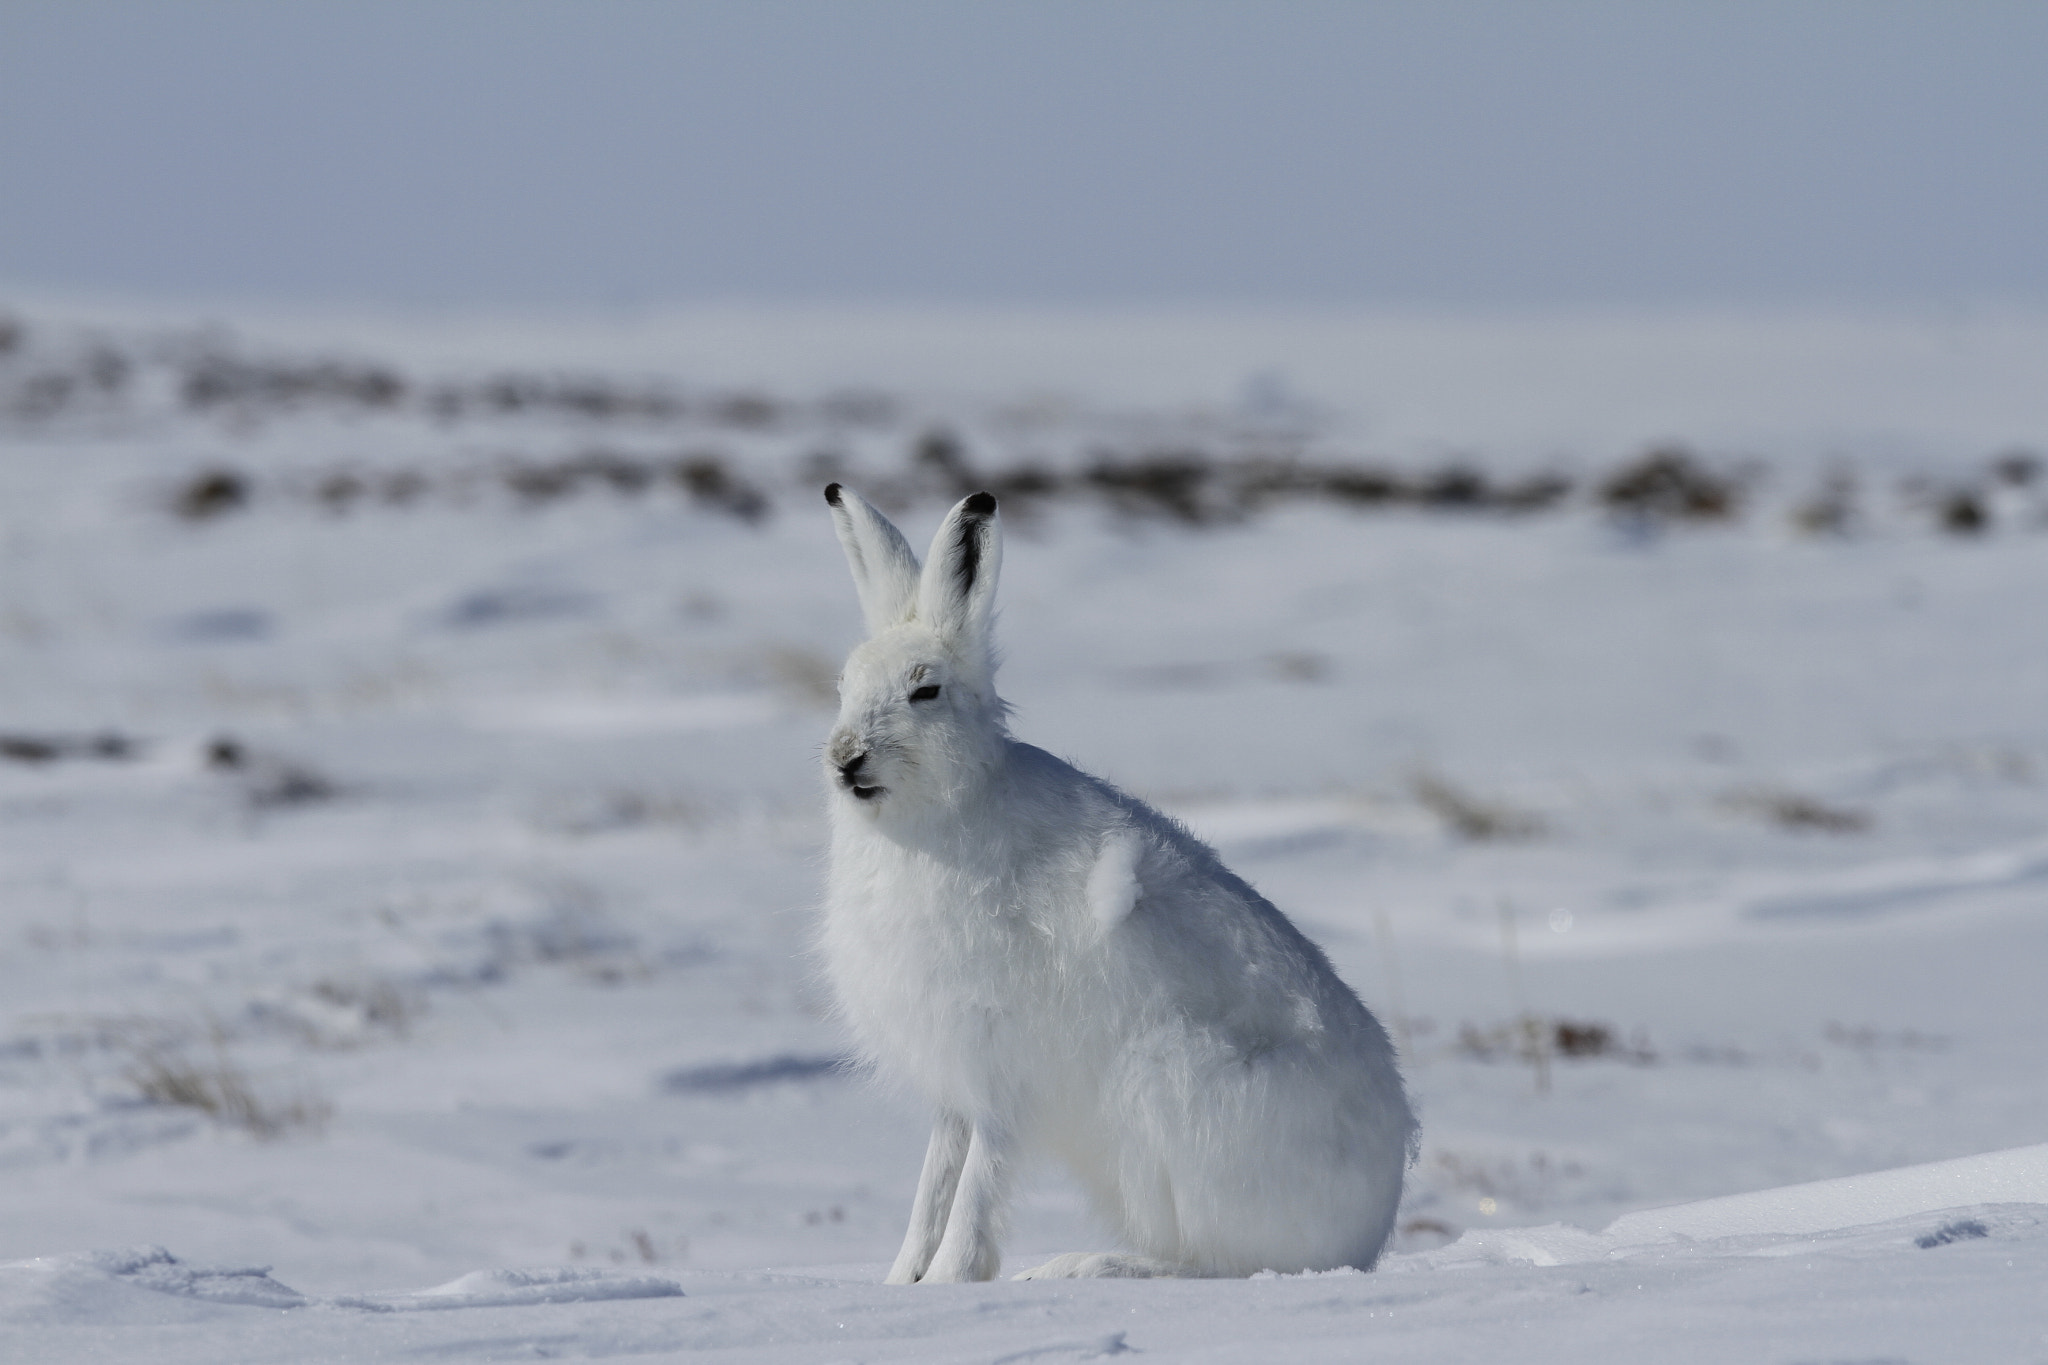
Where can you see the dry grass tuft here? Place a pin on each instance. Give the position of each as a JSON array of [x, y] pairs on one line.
[[1800, 814], [163, 1071], [1669, 483], [1469, 816], [1522, 1039]]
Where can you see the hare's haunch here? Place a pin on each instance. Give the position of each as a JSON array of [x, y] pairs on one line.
[[1059, 968]]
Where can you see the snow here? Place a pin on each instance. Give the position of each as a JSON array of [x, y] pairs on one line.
[[1855, 1288], [2019, 1176], [404, 905], [1765, 1221]]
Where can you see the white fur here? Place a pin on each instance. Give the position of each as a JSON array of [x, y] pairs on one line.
[[1113, 886], [1058, 968]]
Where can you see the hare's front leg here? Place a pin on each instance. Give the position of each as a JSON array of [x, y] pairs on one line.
[[971, 1248], [943, 1159]]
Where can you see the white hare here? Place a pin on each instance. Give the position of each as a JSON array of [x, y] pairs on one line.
[[1061, 969]]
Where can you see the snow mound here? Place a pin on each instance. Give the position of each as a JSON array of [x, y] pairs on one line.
[[516, 1288], [2016, 1176], [137, 1284], [1923, 1206], [149, 1284]]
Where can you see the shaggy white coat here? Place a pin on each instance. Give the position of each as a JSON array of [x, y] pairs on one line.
[[1059, 968]]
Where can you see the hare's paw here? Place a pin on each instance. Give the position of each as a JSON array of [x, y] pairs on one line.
[[1102, 1265], [964, 1265]]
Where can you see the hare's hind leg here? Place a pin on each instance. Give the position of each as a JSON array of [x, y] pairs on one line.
[[943, 1158], [1102, 1265]]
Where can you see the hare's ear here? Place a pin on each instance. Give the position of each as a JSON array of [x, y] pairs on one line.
[[956, 597], [884, 566]]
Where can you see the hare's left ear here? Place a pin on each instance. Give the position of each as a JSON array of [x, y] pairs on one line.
[[956, 596], [884, 567]]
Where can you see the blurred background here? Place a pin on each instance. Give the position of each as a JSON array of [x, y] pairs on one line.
[[1554, 492], [626, 155]]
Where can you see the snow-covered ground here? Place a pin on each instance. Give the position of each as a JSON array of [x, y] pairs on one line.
[[407, 776]]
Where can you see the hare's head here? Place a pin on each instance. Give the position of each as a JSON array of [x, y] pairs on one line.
[[919, 719]]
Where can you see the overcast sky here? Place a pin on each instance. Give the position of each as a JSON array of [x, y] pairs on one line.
[[604, 153]]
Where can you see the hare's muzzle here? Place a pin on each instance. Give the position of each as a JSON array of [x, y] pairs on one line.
[[849, 778]]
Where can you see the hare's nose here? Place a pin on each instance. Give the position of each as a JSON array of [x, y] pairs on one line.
[[852, 766]]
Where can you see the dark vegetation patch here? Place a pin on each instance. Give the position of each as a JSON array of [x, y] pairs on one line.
[[1962, 512], [266, 781], [1670, 484], [210, 493], [590, 398], [711, 484], [2009, 483], [1198, 487], [1798, 813], [105, 746], [213, 382], [1186, 487], [48, 375], [1520, 1040], [704, 479], [1210, 475], [2017, 469], [219, 381], [734, 1078]]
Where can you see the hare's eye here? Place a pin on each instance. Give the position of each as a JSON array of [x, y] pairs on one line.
[[925, 693]]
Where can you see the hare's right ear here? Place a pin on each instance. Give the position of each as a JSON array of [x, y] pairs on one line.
[[884, 566], [957, 595]]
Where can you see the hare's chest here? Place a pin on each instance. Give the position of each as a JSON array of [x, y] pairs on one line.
[[931, 968], [898, 940]]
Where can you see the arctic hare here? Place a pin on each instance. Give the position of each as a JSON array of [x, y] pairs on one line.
[[1059, 968]]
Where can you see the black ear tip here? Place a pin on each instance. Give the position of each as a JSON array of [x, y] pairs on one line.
[[982, 504], [832, 494]]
